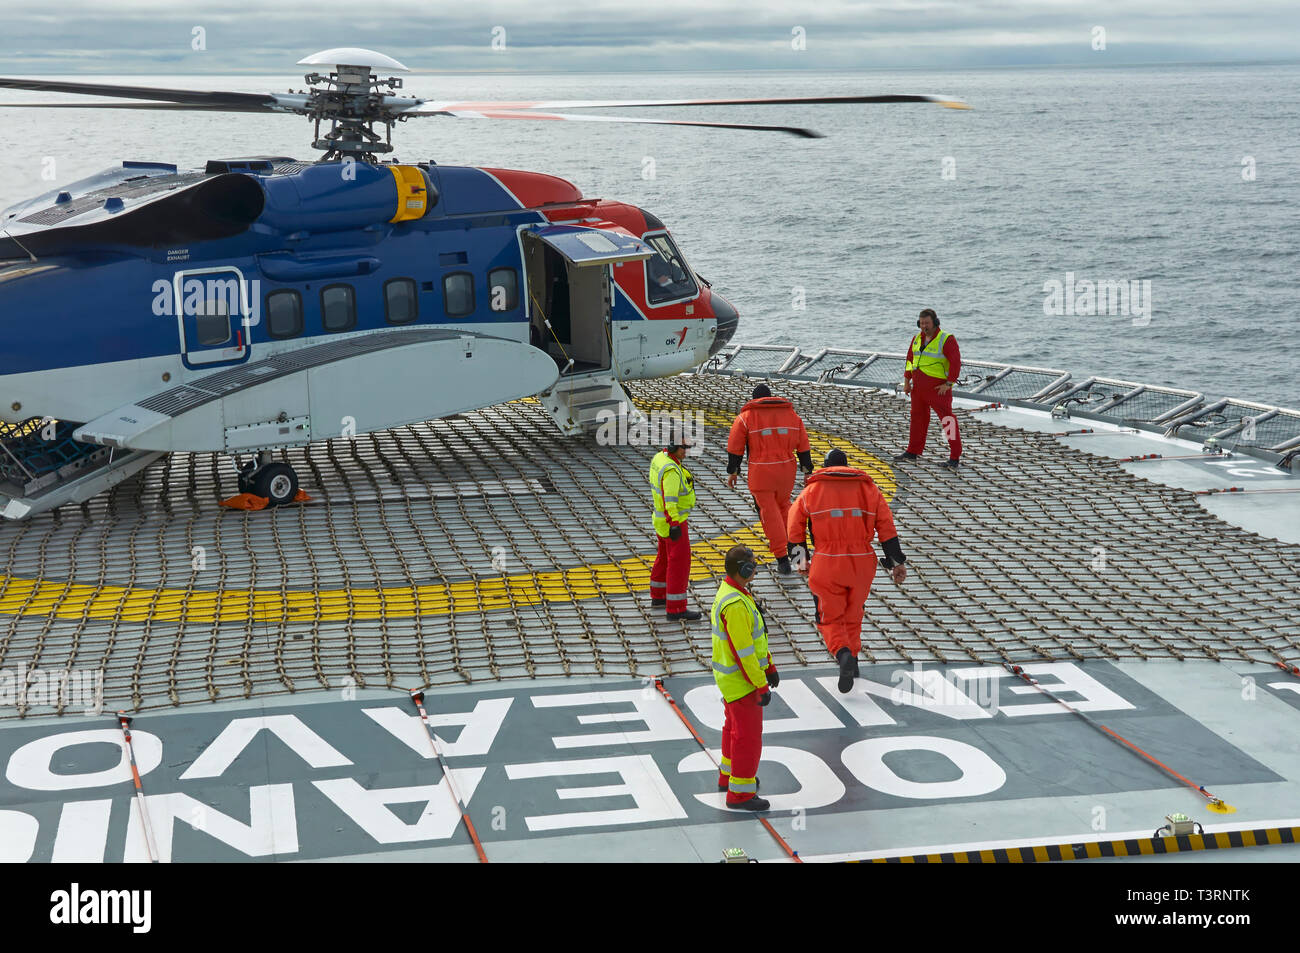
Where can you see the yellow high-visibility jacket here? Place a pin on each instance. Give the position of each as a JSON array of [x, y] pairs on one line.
[[740, 653], [673, 489], [930, 359]]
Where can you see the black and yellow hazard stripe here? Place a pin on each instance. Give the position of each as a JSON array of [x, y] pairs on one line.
[[1113, 848]]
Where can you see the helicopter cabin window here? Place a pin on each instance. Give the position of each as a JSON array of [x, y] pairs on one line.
[[284, 314], [401, 306], [667, 277], [338, 308], [458, 294], [503, 289], [213, 323]]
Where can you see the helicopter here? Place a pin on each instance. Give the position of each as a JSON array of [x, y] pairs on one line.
[[264, 302]]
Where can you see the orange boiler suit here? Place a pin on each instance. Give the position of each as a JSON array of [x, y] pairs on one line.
[[846, 510], [773, 434]]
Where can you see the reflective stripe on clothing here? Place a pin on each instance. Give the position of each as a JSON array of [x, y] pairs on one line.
[[672, 491], [930, 359], [671, 572], [742, 744], [740, 649], [845, 509], [768, 430]]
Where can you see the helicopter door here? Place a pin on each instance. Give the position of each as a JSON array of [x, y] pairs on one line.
[[213, 315], [567, 269]]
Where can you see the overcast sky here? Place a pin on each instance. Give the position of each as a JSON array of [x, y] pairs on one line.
[[158, 36]]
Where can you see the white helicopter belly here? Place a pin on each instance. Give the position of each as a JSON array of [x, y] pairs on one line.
[[339, 388]]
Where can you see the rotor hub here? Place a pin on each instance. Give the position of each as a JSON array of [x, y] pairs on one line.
[[352, 98]]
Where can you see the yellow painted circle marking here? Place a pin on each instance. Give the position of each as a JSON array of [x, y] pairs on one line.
[[71, 600]]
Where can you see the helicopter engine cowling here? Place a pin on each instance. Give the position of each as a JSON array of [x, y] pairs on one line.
[[334, 196]]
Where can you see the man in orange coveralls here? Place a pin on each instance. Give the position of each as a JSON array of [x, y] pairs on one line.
[[845, 509], [774, 435]]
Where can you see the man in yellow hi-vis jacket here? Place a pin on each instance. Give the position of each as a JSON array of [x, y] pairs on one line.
[[673, 491], [743, 669], [933, 366]]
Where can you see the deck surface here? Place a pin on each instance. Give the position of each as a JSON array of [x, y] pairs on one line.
[[504, 567], [917, 759]]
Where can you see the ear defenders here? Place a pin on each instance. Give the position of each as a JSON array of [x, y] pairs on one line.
[[748, 568], [932, 317], [748, 564]]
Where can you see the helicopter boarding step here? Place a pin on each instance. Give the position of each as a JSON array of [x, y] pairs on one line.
[[580, 404], [43, 467]]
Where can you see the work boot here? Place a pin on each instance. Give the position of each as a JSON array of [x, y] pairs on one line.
[[904, 456], [848, 670], [783, 566], [755, 803], [950, 465], [690, 615], [658, 603]]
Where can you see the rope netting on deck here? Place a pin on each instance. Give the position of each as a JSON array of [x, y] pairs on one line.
[[486, 546]]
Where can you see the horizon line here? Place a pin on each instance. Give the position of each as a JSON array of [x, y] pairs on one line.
[[735, 69]]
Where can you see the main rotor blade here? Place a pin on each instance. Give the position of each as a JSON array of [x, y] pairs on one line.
[[636, 103], [192, 97], [504, 114], [186, 107]]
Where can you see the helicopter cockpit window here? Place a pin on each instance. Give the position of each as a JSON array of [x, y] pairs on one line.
[[338, 308], [458, 294], [284, 314], [667, 277], [400, 303], [503, 287]]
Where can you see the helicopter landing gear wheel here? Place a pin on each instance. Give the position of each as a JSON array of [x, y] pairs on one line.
[[277, 482]]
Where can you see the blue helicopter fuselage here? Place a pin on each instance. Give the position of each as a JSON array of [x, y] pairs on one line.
[[146, 277]]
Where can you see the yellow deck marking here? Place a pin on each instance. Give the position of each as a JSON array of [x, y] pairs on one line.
[[72, 600], [1041, 853]]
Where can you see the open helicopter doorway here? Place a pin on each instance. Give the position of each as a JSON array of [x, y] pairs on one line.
[[567, 275]]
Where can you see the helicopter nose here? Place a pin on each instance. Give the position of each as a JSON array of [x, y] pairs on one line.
[[728, 320]]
